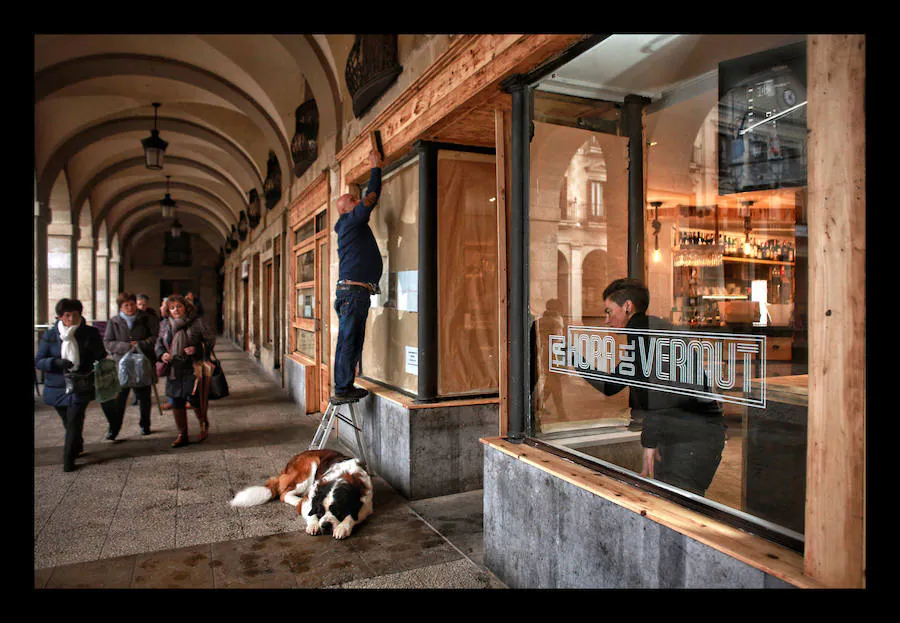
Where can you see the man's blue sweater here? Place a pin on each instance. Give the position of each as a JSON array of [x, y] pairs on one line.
[[358, 254]]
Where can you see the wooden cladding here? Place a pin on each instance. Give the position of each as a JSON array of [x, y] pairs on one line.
[[309, 199], [463, 79]]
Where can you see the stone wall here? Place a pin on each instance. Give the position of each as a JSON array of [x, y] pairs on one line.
[[424, 452], [543, 532]]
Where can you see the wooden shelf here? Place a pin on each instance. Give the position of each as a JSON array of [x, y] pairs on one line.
[[754, 260]]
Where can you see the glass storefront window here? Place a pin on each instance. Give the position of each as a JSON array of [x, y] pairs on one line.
[[306, 303], [304, 232], [306, 266], [392, 326], [306, 342], [702, 387]]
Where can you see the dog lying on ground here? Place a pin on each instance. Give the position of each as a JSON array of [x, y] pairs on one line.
[[326, 487]]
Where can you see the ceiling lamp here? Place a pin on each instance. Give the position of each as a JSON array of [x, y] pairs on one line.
[[167, 203], [154, 147], [176, 228]]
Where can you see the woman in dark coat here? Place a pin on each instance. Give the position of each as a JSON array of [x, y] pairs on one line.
[[69, 346], [180, 344], [130, 328]]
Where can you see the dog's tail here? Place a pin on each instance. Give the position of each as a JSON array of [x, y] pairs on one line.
[[254, 495]]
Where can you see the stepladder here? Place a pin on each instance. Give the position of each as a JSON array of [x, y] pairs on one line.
[[332, 413]]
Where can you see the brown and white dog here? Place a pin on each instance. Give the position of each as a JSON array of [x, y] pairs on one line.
[[325, 486]]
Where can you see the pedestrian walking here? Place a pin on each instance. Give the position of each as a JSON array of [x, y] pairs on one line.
[[129, 329], [180, 348], [66, 354]]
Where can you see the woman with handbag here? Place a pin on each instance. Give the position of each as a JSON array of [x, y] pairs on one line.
[[128, 330], [179, 354], [66, 355]]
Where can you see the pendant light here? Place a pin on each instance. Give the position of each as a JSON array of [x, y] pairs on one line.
[[167, 203], [176, 228], [154, 146]]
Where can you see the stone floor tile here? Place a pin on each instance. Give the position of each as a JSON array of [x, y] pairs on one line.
[[187, 567], [458, 574], [108, 573], [150, 539], [52, 550], [194, 533]]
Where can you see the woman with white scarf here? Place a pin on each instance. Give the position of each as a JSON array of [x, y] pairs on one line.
[[69, 346], [180, 345]]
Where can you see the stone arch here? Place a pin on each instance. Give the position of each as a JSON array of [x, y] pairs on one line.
[[137, 162], [60, 75], [127, 222], [317, 63], [61, 155], [223, 208], [594, 279]]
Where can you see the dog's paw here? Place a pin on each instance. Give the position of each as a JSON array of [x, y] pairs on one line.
[[313, 528], [342, 530]]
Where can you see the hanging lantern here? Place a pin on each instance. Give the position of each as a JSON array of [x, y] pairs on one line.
[[254, 208], [154, 146], [304, 146], [167, 204], [272, 185], [176, 228], [243, 226]]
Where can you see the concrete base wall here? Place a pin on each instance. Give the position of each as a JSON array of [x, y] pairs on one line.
[[295, 382], [543, 532], [424, 453]]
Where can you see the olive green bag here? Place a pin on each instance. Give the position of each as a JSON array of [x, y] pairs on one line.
[[106, 380]]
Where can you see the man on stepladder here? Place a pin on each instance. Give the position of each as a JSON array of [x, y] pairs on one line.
[[359, 272]]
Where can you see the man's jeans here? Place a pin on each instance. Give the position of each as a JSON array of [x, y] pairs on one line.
[[352, 307]]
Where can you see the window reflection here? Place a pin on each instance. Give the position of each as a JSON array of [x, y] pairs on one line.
[[725, 256]]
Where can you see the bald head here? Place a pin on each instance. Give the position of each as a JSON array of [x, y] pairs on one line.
[[345, 203]]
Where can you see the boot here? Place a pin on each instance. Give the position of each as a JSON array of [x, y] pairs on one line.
[[204, 426], [181, 424]]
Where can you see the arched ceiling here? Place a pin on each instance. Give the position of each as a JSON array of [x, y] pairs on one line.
[[226, 102]]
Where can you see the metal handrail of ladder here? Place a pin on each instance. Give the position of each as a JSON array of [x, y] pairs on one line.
[[325, 426]]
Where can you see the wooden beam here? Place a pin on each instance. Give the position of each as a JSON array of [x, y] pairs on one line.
[[467, 75], [836, 456]]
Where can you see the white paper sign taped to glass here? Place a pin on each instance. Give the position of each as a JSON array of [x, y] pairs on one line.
[[713, 366]]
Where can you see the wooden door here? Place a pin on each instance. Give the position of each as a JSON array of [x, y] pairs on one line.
[[322, 332], [310, 305]]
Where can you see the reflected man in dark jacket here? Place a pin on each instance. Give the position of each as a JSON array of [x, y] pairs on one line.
[[682, 436]]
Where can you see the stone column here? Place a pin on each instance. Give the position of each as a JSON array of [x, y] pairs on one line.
[[101, 284], [113, 284], [575, 283], [59, 264], [85, 272]]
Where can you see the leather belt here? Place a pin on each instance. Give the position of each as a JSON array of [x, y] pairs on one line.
[[346, 284]]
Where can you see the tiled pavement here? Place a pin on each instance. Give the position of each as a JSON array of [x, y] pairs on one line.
[[140, 514]]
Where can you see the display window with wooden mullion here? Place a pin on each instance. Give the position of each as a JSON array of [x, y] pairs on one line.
[[694, 381]]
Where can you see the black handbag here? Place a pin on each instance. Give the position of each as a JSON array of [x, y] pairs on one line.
[[218, 384], [81, 385]]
